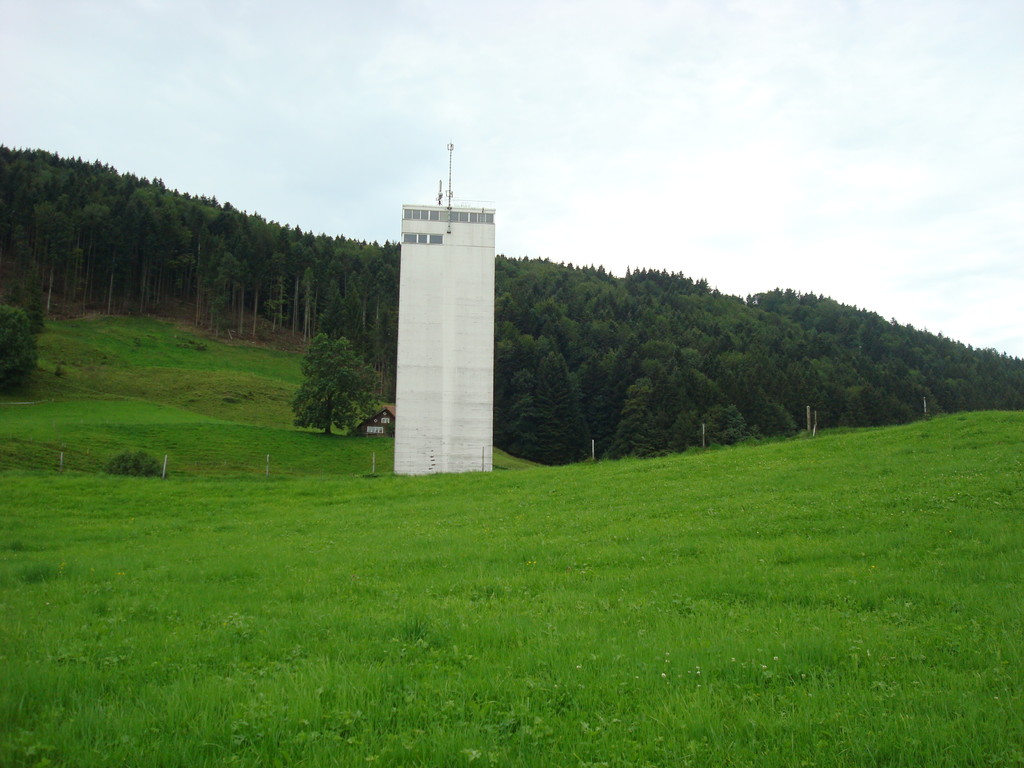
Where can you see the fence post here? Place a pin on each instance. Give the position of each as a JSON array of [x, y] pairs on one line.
[[163, 474]]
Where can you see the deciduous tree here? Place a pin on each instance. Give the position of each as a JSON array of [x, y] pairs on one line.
[[338, 387]]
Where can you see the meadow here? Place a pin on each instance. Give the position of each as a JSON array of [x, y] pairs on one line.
[[156, 361], [849, 600]]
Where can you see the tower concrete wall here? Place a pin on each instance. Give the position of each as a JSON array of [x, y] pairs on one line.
[[445, 378]]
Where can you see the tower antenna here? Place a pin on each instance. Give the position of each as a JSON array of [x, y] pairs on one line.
[[451, 148], [440, 196]]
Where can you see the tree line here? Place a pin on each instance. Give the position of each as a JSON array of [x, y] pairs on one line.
[[641, 365], [79, 237], [657, 362]]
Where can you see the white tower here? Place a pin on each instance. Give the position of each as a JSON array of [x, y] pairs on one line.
[[445, 386]]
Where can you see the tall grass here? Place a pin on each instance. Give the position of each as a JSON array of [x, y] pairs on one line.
[[850, 600]]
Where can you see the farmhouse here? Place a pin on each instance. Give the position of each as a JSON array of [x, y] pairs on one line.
[[381, 424]]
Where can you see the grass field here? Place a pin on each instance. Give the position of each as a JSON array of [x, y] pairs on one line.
[[88, 433], [852, 600], [156, 361]]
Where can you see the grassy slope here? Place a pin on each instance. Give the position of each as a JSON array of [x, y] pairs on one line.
[[141, 383], [156, 361], [851, 600]]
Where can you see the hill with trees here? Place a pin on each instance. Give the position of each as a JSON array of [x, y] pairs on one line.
[[649, 363]]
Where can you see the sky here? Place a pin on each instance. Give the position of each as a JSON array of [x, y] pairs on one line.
[[867, 150]]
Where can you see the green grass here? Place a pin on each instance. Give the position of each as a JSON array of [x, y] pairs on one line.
[[88, 433], [852, 600], [139, 343], [159, 362]]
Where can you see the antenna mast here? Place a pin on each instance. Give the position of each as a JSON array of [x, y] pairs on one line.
[[451, 148]]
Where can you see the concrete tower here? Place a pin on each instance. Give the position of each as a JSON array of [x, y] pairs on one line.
[[445, 387]]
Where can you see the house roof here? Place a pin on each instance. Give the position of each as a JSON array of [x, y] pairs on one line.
[[388, 409]]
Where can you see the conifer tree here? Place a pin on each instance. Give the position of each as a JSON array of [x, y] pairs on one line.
[[635, 435], [562, 435], [17, 346]]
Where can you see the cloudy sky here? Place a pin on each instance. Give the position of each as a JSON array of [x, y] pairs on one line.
[[868, 150]]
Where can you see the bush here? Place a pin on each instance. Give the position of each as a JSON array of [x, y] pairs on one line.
[[135, 463]]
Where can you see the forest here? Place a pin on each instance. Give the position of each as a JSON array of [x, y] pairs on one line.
[[646, 364]]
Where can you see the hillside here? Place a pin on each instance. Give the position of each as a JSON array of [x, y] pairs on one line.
[[640, 365], [854, 599], [105, 385]]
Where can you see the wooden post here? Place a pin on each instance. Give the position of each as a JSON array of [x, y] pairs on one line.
[[925, 400], [268, 465], [62, 461], [163, 474], [815, 432], [703, 435], [373, 463], [593, 449], [808, 418]]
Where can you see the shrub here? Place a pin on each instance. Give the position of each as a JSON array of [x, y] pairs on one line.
[[136, 463]]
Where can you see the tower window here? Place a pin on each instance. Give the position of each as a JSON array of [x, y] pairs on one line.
[[417, 214], [415, 237]]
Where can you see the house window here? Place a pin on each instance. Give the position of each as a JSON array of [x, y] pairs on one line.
[[385, 420], [375, 430]]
